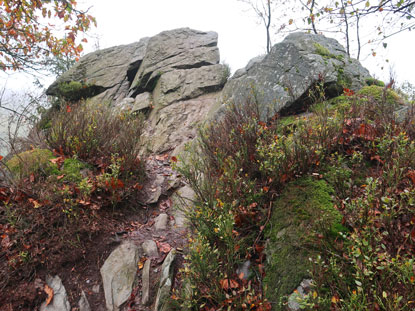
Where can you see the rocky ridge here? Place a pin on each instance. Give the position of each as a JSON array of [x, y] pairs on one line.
[[175, 78]]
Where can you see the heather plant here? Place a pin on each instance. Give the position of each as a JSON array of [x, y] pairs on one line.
[[94, 133]]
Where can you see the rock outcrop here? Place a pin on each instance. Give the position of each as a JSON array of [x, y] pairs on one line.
[[173, 77], [182, 48], [283, 79], [176, 81], [109, 72]]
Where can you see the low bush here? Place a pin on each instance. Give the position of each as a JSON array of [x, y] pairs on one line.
[[96, 133], [64, 197], [353, 145]]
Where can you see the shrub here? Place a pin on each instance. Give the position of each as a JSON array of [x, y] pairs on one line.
[[96, 133]]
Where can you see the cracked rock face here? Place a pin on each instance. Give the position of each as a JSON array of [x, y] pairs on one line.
[[109, 70], [282, 79], [182, 48]]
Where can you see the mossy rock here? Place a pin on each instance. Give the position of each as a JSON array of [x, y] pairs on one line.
[[72, 169], [74, 91], [373, 81], [376, 93], [36, 161], [304, 209]]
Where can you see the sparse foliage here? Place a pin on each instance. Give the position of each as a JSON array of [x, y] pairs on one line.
[[342, 19], [29, 32]]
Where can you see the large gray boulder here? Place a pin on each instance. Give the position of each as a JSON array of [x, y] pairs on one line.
[[118, 275], [107, 72], [282, 79], [182, 48]]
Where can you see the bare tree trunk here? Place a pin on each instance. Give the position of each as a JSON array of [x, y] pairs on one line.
[[268, 25], [347, 29], [313, 2], [358, 35]]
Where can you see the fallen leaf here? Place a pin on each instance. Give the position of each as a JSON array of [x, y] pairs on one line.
[[35, 203], [1, 157], [163, 247], [163, 157], [411, 175], [49, 291], [228, 284], [141, 262]]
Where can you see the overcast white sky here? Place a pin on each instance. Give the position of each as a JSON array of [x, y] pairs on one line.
[[240, 36]]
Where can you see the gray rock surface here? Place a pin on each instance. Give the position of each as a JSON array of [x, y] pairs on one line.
[[244, 270], [182, 200], [291, 69], [163, 293], [150, 248], [179, 85], [110, 70], [145, 287], [143, 101], [164, 132], [154, 190], [60, 298], [160, 223], [83, 303], [182, 48], [118, 275]]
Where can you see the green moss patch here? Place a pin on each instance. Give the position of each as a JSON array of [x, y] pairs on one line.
[[304, 209], [33, 162], [377, 93], [373, 81], [72, 169], [74, 91]]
